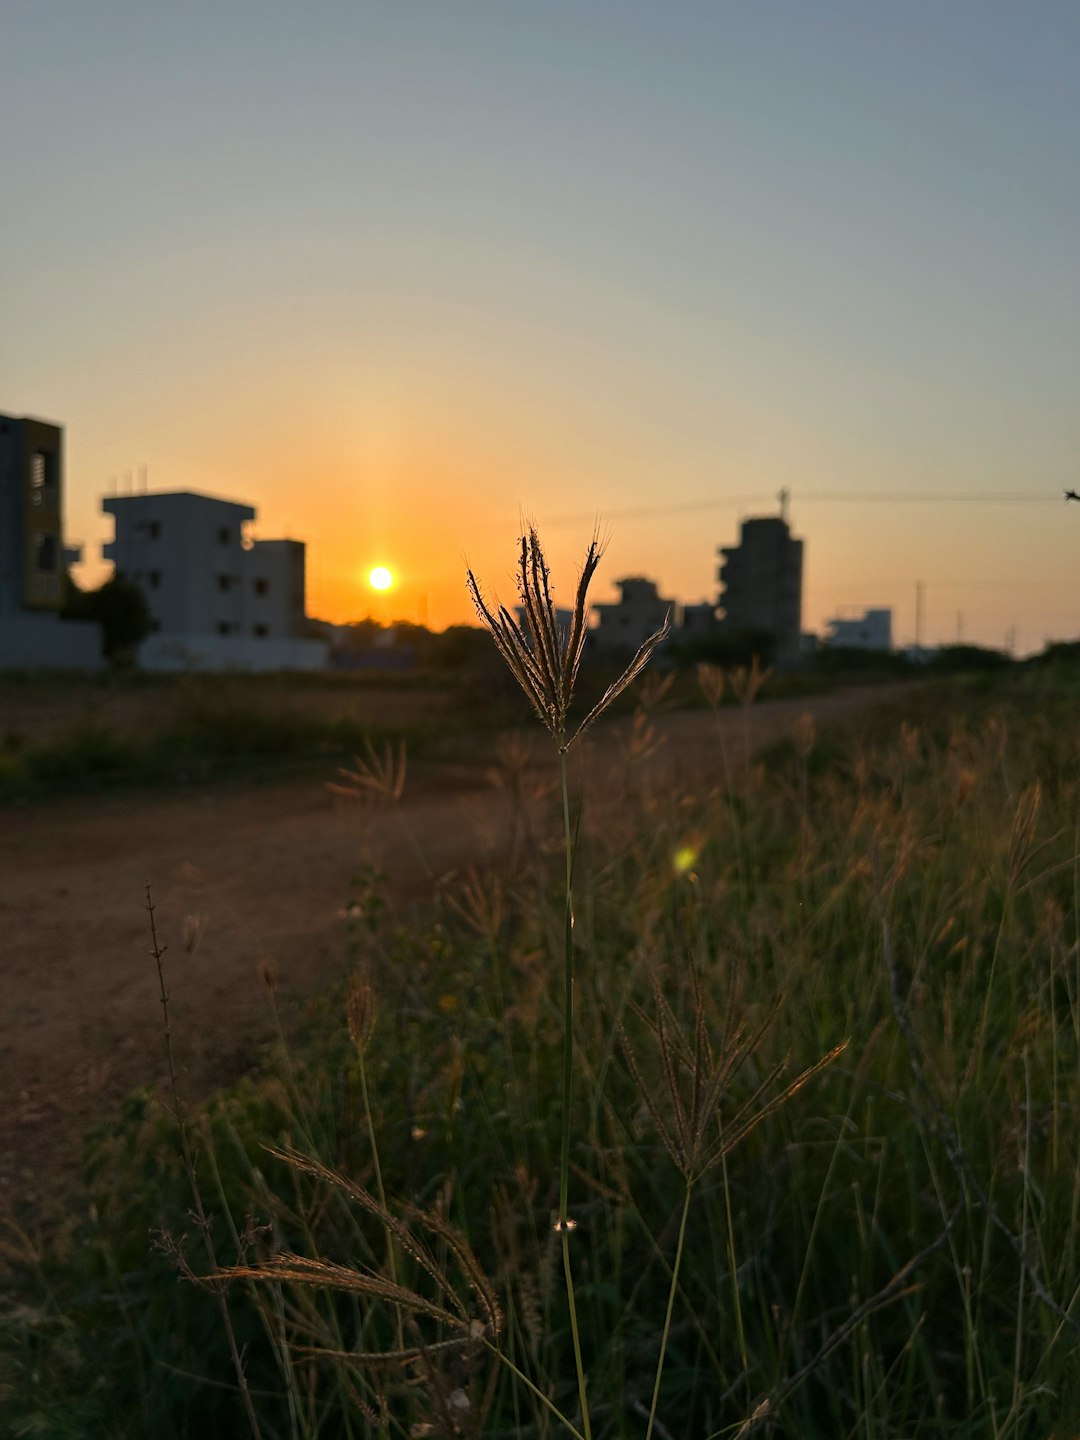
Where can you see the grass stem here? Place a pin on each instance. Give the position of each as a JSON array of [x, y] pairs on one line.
[[201, 1218], [567, 1087], [672, 1290]]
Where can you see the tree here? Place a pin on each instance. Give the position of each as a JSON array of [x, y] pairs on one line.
[[120, 608]]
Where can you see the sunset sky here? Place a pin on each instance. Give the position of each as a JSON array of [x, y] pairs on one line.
[[399, 274]]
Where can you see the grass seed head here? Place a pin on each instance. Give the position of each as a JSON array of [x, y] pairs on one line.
[[543, 656]]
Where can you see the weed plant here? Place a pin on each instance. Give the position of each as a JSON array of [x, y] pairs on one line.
[[890, 1252]]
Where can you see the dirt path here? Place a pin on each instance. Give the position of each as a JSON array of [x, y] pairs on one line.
[[264, 875]]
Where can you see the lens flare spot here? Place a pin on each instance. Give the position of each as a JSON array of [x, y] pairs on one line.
[[684, 859]]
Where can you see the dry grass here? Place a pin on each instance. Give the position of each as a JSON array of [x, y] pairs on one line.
[[889, 1252]]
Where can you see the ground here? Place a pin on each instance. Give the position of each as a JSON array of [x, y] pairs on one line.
[[241, 878]]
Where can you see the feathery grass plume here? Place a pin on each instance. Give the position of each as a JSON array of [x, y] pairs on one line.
[[444, 1305], [378, 778], [746, 682], [696, 1077], [711, 682], [542, 657], [360, 1010]]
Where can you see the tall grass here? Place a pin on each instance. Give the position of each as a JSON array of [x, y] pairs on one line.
[[890, 1252]]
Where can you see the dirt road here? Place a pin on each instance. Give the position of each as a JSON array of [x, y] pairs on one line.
[[260, 875]]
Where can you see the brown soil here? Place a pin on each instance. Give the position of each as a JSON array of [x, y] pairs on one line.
[[262, 874]]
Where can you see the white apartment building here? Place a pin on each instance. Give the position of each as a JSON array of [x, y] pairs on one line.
[[870, 630], [218, 600]]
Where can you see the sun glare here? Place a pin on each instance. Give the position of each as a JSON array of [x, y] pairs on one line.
[[380, 578]]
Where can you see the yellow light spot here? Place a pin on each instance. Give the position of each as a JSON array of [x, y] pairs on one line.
[[684, 859], [380, 578], [447, 1003]]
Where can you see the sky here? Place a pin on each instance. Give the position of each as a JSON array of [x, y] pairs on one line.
[[401, 275]]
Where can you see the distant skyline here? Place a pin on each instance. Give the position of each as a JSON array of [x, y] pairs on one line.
[[398, 275]]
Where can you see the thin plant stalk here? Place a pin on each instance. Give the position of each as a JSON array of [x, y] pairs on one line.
[[567, 1083], [391, 1245], [545, 1400], [672, 1290], [360, 1007], [201, 1219], [740, 1329], [544, 656]]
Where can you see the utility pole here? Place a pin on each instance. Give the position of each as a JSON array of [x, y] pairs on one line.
[[918, 613]]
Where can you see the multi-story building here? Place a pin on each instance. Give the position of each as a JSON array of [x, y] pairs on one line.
[[33, 557], [217, 599], [629, 622], [871, 630], [697, 621], [761, 583]]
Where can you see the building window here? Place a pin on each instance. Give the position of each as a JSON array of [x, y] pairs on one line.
[[224, 628], [46, 553], [44, 493], [224, 535], [152, 528], [224, 583], [37, 479], [262, 587], [262, 631], [154, 578]]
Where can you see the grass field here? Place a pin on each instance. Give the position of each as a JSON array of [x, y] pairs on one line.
[[123, 730], [59, 734], [886, 1250]]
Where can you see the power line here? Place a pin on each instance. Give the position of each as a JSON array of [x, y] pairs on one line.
[[645, 511], [931, 497], [818, 497], [940, 584]]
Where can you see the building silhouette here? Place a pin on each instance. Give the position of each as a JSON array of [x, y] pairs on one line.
[[217, 599], [638, 613], [761, 584], [871, 630], [33, 556]]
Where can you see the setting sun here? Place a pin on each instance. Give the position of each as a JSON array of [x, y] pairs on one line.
[[380, 578]]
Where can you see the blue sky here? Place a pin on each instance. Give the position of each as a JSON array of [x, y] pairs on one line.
[[396, 274]]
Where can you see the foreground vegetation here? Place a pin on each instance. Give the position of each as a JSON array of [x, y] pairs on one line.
[[891, 1252]]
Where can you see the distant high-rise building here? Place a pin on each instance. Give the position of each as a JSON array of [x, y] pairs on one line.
[[761, 583], [33, 557], [31, 530]]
